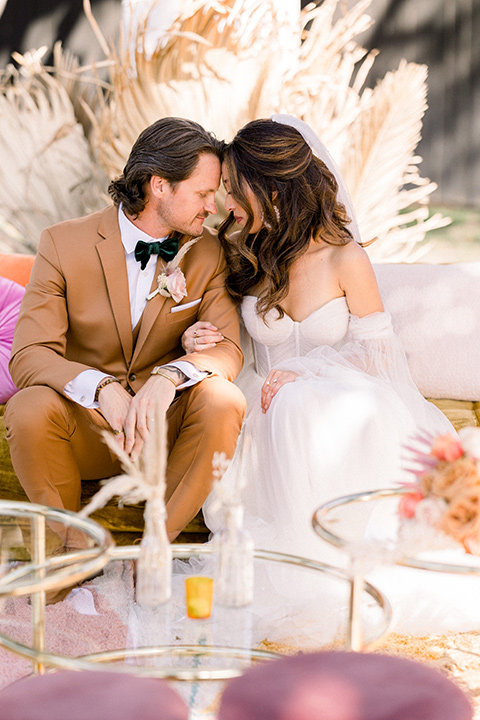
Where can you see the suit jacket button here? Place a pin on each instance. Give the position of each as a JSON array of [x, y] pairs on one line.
[[132, 377]]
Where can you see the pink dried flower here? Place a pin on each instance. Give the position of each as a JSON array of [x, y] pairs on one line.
[[408, 504], [447, 447]]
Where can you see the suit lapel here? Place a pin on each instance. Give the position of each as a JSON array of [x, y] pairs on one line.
[[151, 312], [154, 306], [112, 258]]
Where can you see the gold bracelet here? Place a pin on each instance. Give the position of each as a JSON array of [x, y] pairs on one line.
[[102, 384], [157, 371]]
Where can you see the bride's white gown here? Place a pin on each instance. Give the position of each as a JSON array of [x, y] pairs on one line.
[[340, 428]]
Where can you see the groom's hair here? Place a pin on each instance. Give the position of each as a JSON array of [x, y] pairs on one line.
[[169, 148]]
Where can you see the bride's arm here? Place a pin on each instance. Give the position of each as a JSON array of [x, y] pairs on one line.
[[370, 344], [357, 280]]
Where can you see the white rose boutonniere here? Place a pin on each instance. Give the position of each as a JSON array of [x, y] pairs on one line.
[[171, 282]]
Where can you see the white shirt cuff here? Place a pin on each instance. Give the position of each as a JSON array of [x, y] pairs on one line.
[[83, 387], [194, 374]]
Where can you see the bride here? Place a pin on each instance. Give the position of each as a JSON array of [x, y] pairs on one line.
[[331, 402]]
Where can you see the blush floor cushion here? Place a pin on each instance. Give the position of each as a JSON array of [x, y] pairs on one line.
[[95, 695], [343, 686]]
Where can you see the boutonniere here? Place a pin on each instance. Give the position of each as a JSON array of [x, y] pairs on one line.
[[171, 282]]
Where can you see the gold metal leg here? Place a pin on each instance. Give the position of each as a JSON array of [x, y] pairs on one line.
[[354, 636], [38, 598]]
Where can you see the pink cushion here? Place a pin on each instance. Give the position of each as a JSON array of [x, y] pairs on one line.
[[91, 695], [343, 686], [11, 294]]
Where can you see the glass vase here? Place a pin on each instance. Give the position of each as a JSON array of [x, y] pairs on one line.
[[154, 564], [234, 561]]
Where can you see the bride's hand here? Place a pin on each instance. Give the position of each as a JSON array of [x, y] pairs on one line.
[[200, 336], [274, 381]]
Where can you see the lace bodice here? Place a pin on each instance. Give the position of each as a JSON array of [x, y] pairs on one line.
[[278, 339]]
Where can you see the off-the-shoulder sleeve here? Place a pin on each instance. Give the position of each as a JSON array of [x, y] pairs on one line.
[[370, 346]]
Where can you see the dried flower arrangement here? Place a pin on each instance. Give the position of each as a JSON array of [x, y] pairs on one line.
[[144, 479], [446, 492]]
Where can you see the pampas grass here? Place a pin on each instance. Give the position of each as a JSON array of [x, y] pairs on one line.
[[222, 63], [144, 479]]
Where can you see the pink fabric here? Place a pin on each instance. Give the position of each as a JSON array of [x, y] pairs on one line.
[[94, 695], [11, 294], [343, 686]]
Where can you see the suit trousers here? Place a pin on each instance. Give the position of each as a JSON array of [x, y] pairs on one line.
[[55, 444]]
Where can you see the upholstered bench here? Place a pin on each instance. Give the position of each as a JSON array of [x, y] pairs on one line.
[[434, 312], [125, 523]]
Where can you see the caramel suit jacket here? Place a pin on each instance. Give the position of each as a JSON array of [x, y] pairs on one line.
[[75, 314]]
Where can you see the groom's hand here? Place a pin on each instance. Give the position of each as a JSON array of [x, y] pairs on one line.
[[201, 336], [114, 403], [159, 392]]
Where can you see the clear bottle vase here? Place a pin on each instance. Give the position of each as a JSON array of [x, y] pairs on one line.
[[154, 564], [234, 561]]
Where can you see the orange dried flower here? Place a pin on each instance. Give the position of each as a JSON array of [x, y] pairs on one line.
[[449, 479]]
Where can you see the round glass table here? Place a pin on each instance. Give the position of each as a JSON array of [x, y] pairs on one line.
[[102, 627], [368, 528], [34, 560]]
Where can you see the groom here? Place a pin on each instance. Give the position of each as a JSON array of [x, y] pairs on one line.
[[92, 352]]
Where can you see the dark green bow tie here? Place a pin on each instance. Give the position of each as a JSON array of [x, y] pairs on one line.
[[166, 249]]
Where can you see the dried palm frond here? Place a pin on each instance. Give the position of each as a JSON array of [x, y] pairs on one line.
[[214, 66], [323, 86], [47, 172], [221, 64], [83, 91], [381, 168]]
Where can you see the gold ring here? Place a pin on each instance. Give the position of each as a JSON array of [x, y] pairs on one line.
[[194, 333], [117, 432], [267, 384]]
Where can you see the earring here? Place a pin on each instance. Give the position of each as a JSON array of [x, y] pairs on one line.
[[277, 217], [267, 225]]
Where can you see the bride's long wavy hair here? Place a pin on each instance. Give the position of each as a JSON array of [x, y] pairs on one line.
[[297, 194]]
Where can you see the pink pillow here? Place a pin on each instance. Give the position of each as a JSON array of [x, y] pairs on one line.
[[11, 294], [92, 695], [343, 686]]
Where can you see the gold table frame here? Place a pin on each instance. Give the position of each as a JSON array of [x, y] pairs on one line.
[[35, 578], [109, 660], [320, 525]]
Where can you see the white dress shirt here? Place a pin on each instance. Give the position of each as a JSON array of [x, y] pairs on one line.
[[82, 388]]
